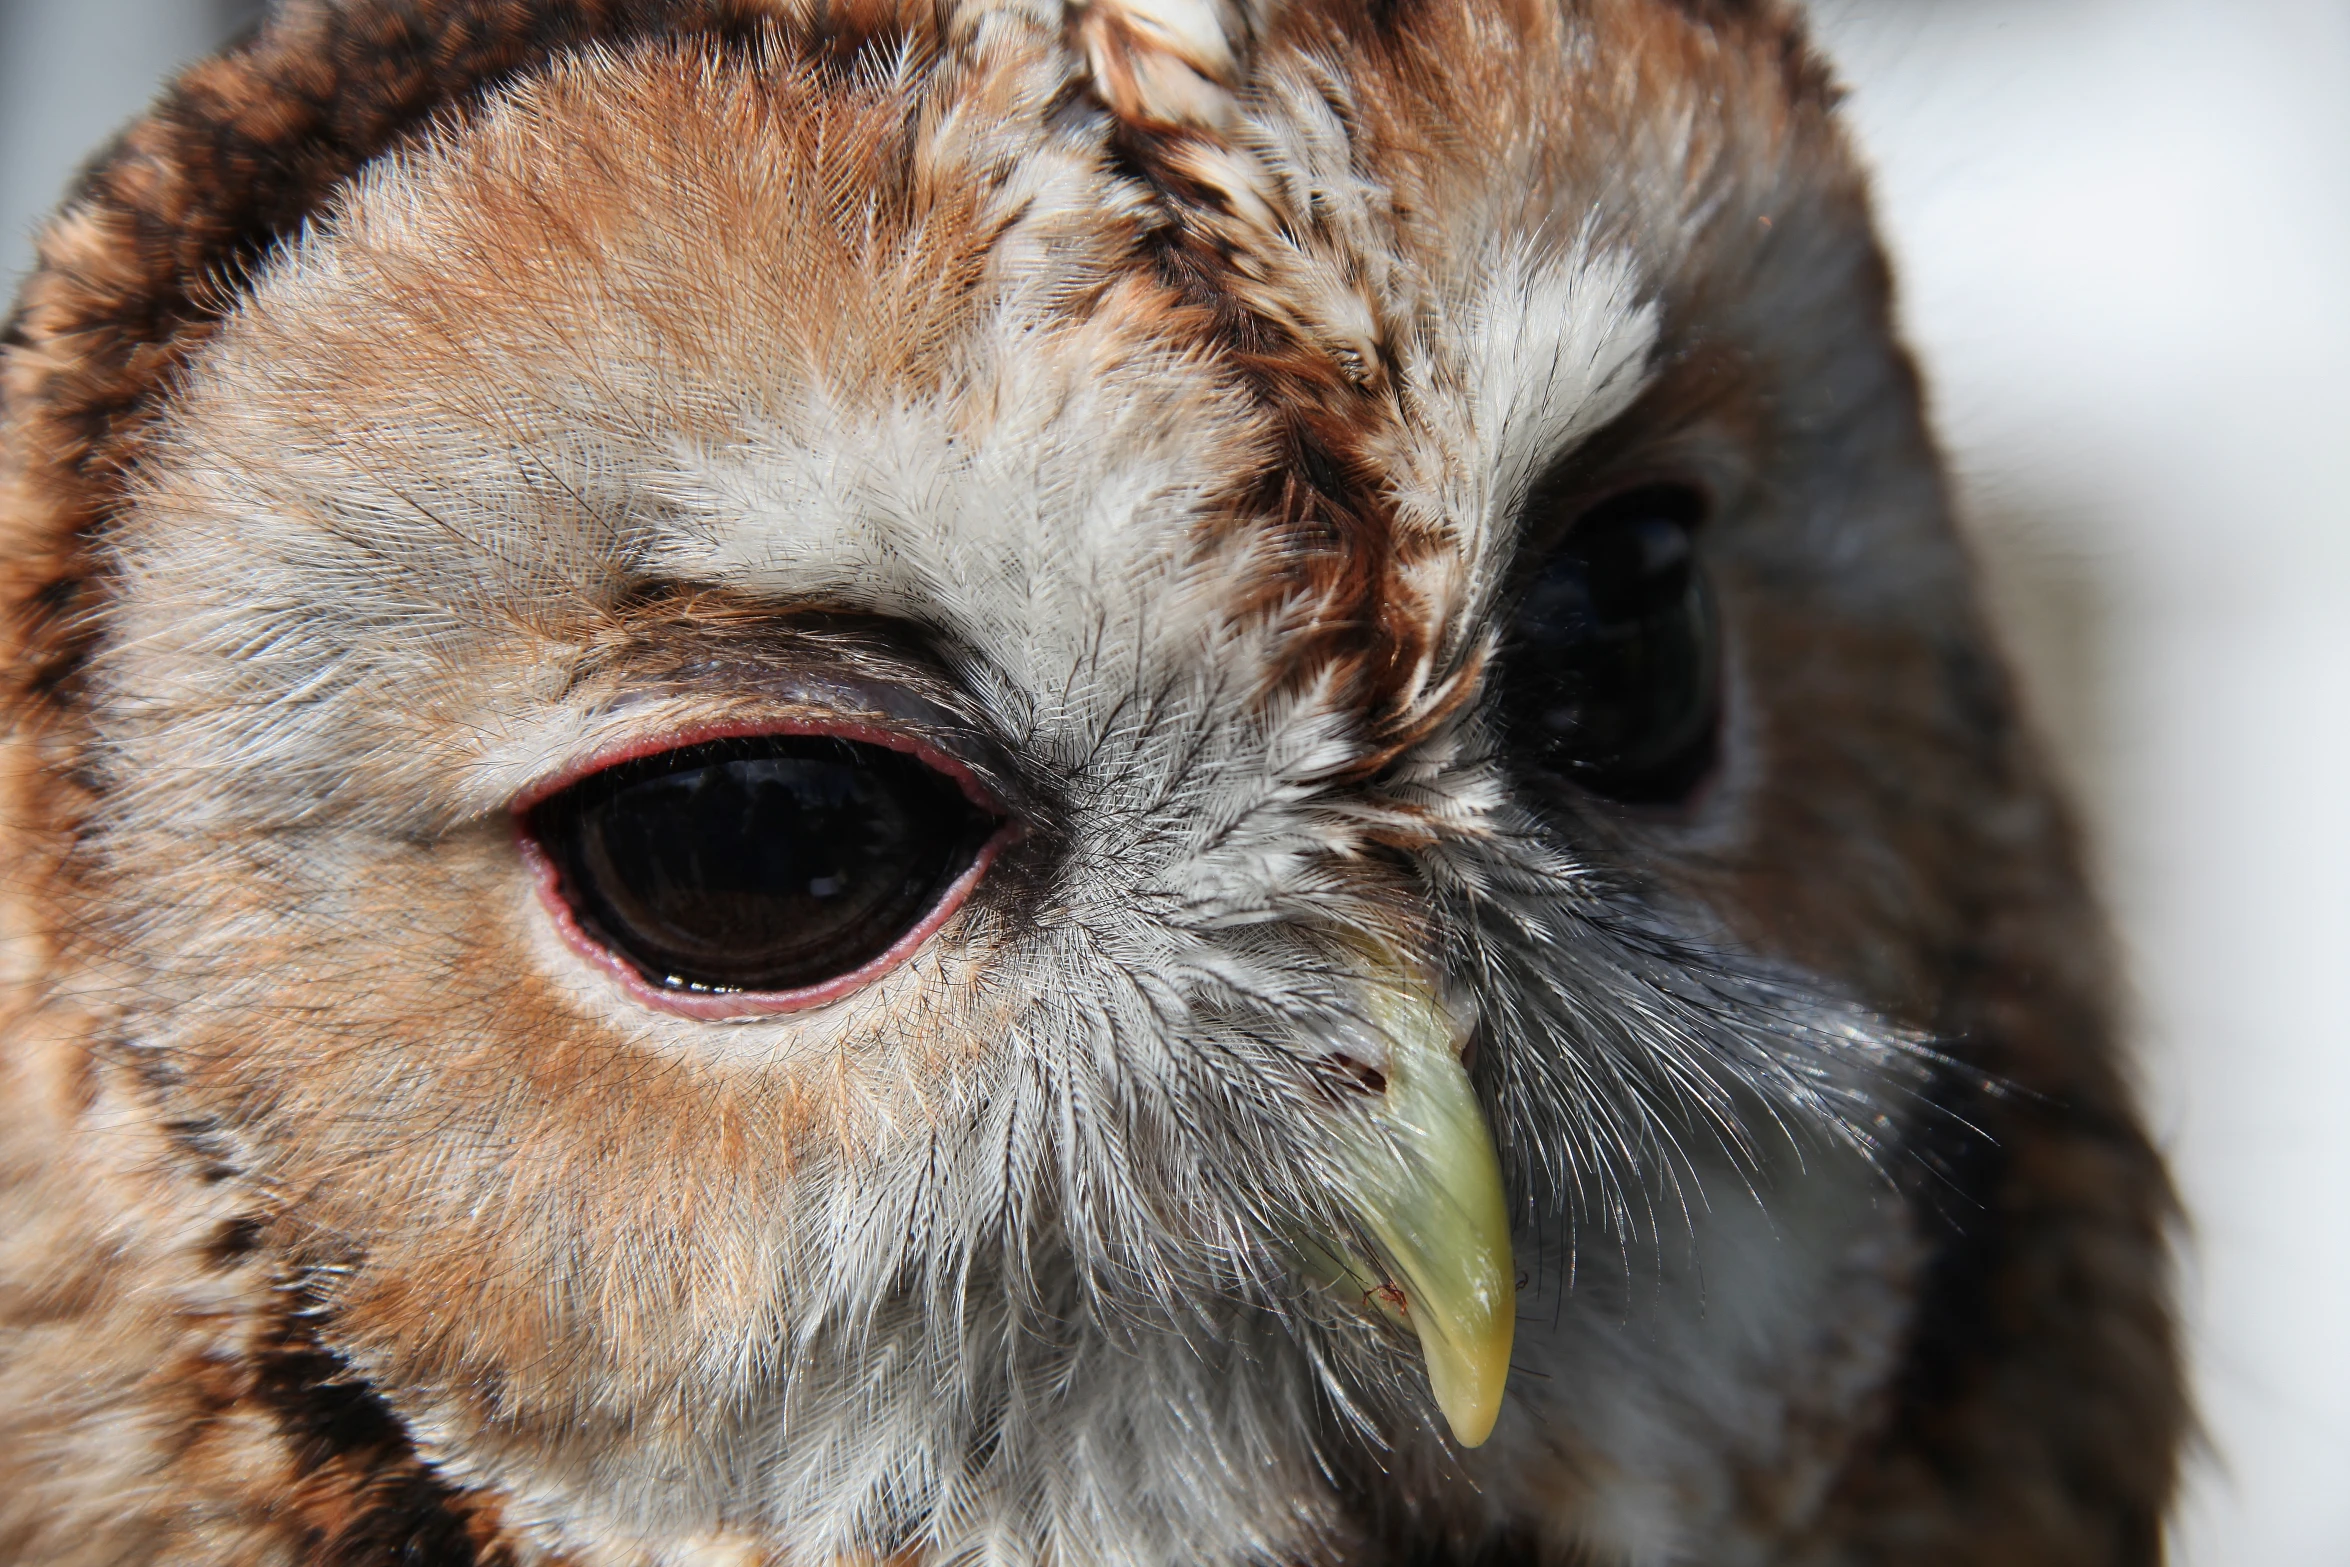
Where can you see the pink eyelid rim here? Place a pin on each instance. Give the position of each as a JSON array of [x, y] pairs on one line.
[[738, 1005]]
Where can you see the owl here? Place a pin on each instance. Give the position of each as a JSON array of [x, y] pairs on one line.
[[897, 783]]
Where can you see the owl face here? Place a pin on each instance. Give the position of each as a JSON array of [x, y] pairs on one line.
[[880, 798]]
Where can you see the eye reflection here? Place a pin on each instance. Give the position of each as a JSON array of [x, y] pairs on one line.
[[1612, 668], [767, 864]]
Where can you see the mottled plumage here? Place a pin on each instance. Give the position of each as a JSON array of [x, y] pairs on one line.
[[1147, 434]]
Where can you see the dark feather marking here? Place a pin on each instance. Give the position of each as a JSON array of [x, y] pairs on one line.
[[1319, 495], [233, 1241], [372, 1501], [1955, 1174]]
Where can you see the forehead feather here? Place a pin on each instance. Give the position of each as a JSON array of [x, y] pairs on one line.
[[823, 315], [908, 331]]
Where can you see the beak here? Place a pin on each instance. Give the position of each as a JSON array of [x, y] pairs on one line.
[[1425, 1183]]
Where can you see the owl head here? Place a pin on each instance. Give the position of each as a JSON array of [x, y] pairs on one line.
[[939, 779]]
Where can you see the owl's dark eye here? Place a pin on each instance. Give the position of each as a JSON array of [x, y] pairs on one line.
[[771, 864], [1611, 674]]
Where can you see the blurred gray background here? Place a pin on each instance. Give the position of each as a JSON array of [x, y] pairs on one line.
[[2124, 230]]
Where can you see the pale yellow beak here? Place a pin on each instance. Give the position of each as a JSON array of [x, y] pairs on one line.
[[1426, 1185]]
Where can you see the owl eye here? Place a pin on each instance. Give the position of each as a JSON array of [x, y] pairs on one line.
[[1611, 672], [772, 864]]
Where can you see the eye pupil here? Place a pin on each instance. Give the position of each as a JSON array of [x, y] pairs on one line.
[[770, 864], [1611, 670]]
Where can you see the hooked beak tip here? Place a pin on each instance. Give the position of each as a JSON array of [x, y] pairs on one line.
[[1426, 1183]]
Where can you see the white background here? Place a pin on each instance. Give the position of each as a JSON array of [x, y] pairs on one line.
[[2124, 228], [2125, 231]]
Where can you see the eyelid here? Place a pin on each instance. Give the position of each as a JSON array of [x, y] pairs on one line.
[[692, 660], [793, 685], [861, 728]]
